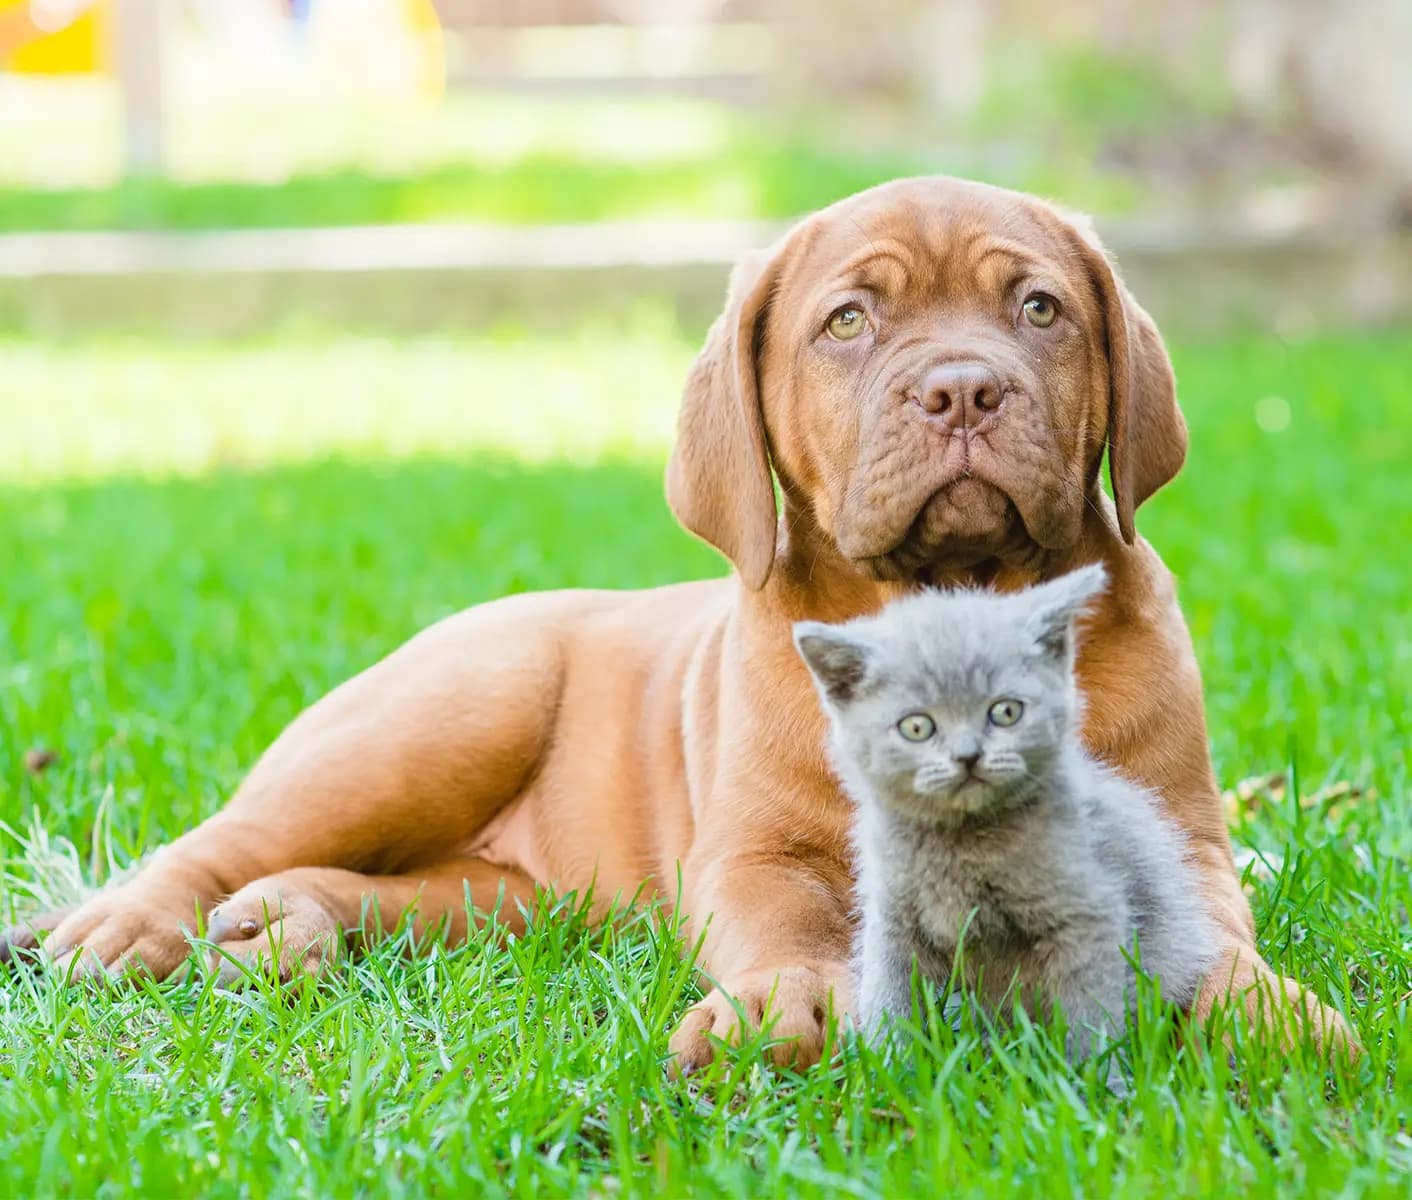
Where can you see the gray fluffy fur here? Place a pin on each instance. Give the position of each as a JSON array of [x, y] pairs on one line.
[[1057, 869]]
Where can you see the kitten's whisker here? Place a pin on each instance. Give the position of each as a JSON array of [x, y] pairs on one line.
[[931, 778]]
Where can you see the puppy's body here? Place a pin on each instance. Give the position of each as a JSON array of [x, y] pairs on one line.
[[602, 739], [982, 822]]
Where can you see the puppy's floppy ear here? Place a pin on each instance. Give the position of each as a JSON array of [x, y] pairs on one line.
[[1056, 605], [838, 662], [718, 478], [1147, 435]]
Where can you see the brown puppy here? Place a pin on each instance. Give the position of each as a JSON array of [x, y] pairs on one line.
[[931, 370]]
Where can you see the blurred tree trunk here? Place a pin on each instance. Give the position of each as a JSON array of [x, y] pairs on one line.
[[927, 55], [139, 52], [1347, 66], [948, 50]]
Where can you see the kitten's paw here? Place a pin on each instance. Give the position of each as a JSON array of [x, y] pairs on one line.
[[1117, 1082]]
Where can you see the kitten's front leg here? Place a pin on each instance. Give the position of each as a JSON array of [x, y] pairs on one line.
[[884, 965], [1093, 1025], [1093, 990]]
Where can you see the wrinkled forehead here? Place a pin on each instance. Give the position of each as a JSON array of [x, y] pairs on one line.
[[932, 239]]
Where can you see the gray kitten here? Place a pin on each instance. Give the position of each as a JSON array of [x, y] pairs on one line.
[[955, 719]]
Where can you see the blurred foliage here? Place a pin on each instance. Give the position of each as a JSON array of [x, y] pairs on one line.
[[1084, 91], [754, 182]]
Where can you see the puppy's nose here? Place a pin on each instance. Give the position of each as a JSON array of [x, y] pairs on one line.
[[960, 394]]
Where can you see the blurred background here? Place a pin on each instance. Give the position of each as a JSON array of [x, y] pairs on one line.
[[320, 319], [1247, 158]]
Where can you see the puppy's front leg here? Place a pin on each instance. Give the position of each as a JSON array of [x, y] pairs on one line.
[[777, 947], [390, 774]]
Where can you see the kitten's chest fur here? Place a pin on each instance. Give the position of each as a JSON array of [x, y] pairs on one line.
[[1011, 891]]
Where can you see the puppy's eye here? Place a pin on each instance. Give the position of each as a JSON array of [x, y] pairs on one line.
[[846, 323], [916, 727], [1005, 712], [1041, 309]]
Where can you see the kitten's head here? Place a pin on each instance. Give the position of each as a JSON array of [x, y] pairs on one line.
[[953, 704]]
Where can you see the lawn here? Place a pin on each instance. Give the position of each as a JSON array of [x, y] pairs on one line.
[[273, 161], [742, 167], [286, 511]]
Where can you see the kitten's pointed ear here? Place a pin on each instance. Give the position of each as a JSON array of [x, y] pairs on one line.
[[1057, 604], [838, 662]]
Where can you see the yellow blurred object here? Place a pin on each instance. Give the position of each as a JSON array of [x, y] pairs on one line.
[[37, 39], [425, 27], [384, 51]]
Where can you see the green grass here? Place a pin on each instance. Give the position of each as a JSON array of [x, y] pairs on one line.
[[196, 541], [253, 160], [758, 177], [1055, 116], [758, 181]]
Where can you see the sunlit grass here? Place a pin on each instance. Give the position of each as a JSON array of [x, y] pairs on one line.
[[139, 407], [183, 568], [67, 131], [257, 158], [238, 157]]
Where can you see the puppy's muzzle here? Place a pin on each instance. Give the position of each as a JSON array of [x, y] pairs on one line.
[[959, 396]]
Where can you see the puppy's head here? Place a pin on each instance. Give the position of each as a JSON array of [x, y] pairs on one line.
[[932, 368]]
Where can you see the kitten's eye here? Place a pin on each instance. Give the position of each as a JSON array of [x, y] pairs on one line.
[[916, 727], [1005, 712]]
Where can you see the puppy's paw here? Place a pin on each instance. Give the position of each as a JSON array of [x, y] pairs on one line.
[[1286, 1010], [118, 932], [797, 1008], [271, 926], [1277, 1009], [19, 943]]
